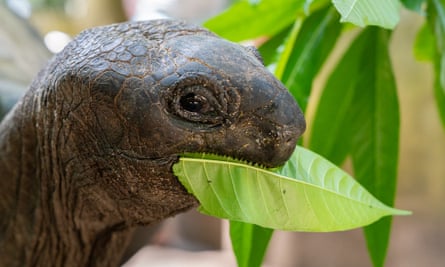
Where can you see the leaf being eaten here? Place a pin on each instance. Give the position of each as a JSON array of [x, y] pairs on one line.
[[308, 193]]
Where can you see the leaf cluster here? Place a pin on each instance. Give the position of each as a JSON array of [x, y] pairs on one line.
[[357, 113]]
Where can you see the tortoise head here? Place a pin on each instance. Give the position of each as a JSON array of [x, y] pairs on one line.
[[195, 92], [134, 96]]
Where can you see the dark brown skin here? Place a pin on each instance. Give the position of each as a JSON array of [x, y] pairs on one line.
[[87, 154]]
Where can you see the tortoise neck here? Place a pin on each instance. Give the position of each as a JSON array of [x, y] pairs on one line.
[[20, 188], [45, 221]]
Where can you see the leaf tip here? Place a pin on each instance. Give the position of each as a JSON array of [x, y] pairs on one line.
[[401, 212]]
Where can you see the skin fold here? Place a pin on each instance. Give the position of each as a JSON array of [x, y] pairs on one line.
[[87, 154]]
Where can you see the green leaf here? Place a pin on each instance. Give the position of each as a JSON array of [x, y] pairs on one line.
[[284, 54], [384, 13], [312, 5], [314, 43], [244, 21], [376, 121], [358, 114], [436, 20], [414, 5], [331, 133], [270, 50], [439, 93], [424, 46], [307, 194], [249, 243]]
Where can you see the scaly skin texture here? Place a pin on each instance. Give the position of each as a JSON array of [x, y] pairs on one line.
[[86, 155]]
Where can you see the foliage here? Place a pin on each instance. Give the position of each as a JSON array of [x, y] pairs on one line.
[[436, 22], [357, 114]]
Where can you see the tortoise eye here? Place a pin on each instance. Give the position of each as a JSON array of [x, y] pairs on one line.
[[194, 103], [197, 104], [200, 101]]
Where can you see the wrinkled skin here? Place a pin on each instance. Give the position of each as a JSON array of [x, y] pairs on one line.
[[87, 154]]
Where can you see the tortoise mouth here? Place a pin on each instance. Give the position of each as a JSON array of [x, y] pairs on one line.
[[151, 160], [271, 156]]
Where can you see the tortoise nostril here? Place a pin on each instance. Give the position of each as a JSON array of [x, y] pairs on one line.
[[289, 136]]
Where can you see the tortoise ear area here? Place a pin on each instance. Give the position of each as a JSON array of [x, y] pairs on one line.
[[254, 51]]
